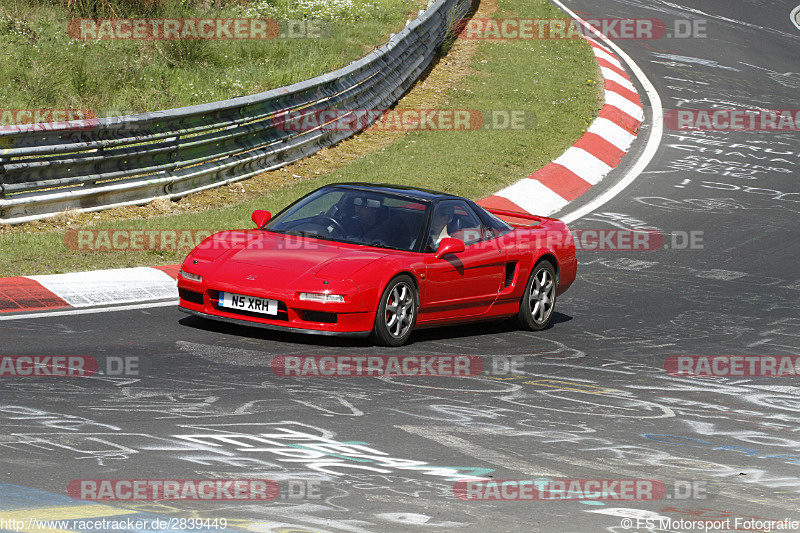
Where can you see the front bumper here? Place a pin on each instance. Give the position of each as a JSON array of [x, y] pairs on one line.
[[293, 314], [277, 327]]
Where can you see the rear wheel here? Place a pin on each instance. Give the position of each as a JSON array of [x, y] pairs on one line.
[[539, 300], [397, 312]]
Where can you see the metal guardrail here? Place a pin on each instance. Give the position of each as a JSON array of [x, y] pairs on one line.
[[46, 169]]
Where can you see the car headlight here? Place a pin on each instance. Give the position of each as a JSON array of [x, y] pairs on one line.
[[321, 297], [190, 276]]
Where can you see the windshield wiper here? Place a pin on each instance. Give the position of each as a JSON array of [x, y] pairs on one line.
[[376, 245]]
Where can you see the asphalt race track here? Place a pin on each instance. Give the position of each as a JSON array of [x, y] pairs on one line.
[[588, 399]]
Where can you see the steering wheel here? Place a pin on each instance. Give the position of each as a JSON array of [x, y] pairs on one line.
[[335, 223]]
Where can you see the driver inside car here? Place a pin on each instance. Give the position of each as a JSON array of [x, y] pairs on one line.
[[442, 216]]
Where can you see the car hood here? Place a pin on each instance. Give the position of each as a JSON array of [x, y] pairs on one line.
[[284, 259]]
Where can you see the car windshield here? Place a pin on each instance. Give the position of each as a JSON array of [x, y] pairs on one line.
[[358, 216]]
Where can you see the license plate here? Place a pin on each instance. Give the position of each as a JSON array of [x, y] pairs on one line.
[[254, 304]]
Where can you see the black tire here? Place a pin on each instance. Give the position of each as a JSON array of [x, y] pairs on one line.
[[397, 312], [539, 301]]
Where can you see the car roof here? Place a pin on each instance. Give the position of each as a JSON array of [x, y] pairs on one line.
[[412, 192]]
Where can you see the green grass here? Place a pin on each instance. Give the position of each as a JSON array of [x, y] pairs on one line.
[[44, 68], [551, 80]]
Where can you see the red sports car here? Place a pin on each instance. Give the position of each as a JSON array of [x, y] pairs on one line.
[[361, 259]]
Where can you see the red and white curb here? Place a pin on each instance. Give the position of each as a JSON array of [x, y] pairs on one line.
[[88, 289], [590, 159]]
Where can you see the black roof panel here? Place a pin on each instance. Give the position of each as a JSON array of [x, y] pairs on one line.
[[414, 192]]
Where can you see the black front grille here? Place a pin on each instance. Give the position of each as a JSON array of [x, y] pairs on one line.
[[319, 316], [191, 296]]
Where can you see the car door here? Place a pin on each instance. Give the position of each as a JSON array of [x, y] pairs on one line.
[[466, 283]]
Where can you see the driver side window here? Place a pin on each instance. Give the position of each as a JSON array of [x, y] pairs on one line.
[[454, 218]]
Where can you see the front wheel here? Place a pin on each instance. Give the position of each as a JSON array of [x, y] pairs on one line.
[[397, 312], [539, 300]]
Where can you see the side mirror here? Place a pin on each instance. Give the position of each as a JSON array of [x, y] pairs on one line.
[[261, 217], [449, 245]]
